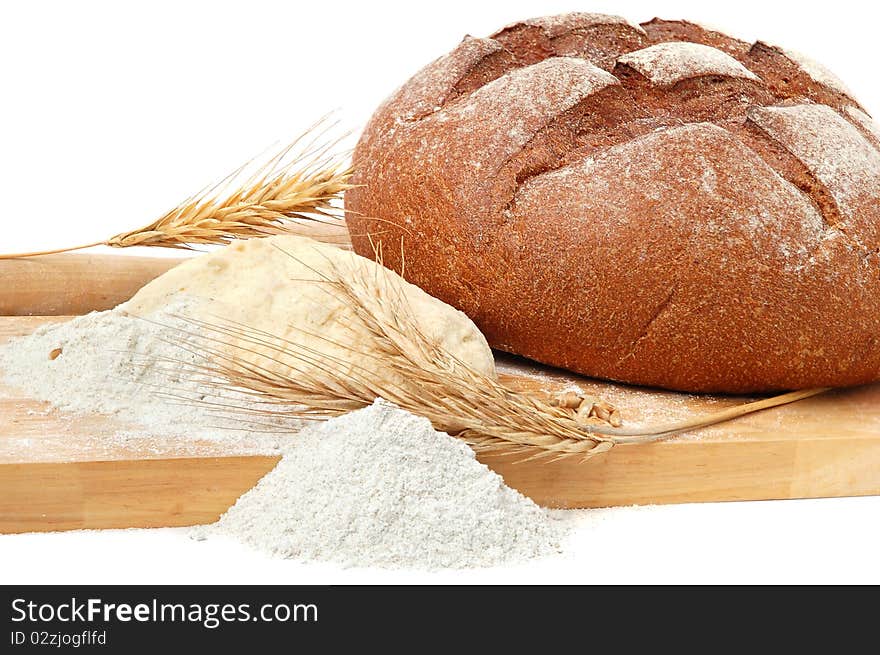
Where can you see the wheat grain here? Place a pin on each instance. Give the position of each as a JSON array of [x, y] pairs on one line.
[[292, 192]]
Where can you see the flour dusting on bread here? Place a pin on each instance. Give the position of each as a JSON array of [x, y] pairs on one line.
[[668, 63]]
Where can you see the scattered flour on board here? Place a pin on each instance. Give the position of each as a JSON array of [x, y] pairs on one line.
[[115, 364], [377, 487], [380, 487]]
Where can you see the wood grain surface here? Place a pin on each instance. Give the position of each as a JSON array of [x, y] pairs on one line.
[[60, 472], [73, 283]]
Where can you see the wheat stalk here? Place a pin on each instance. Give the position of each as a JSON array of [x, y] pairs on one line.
[[295, 379], [289, 193]]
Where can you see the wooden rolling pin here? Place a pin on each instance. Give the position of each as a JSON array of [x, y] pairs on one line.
[[72, 284]]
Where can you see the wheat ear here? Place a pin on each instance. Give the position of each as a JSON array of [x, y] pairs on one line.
[[289, 193], [456, 398]]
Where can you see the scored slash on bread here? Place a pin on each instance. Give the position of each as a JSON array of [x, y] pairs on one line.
[[659, 204]]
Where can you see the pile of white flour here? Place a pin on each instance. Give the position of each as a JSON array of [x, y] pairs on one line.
[[380, 487], [377, 487]]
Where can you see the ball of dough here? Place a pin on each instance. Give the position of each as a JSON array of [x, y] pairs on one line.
[[278, 285]]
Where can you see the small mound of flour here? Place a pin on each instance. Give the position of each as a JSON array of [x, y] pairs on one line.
[[380, 487], [135, 370], [96, 365]]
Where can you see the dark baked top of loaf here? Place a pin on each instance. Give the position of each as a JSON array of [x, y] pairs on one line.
[[603, 81]]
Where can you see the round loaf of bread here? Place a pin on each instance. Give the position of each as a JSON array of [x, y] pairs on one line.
[[658, 204]]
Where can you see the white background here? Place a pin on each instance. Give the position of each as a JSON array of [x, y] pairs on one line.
[[110, 114]]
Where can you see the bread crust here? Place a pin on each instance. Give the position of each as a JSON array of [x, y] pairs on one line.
[[658, 204]]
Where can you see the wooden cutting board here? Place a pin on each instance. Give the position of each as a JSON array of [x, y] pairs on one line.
[[59, 472]]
